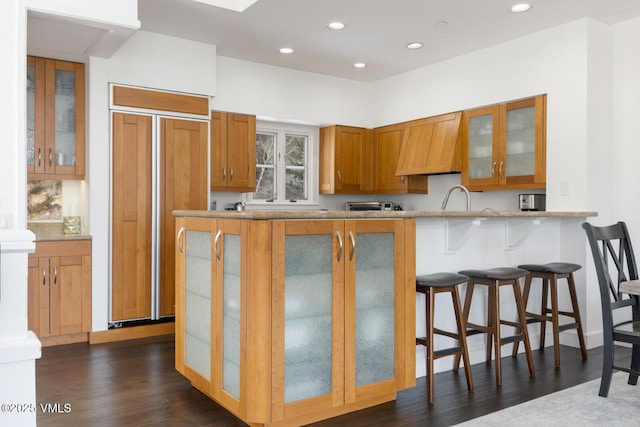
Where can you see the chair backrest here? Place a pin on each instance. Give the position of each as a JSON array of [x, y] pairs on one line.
[[612, 254]]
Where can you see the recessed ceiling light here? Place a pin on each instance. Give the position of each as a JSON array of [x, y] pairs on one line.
[[286, 50], [414, 45], [335, 25], [359, 65], [520, 7]]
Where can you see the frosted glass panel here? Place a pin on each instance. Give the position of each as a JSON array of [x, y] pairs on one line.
[[231, 316], [481, 146], [198, 302], [308, 323], [31, 113], [375, 308], [65, 108], [521, 141]]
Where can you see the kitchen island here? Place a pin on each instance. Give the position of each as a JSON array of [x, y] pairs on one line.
[[286, 318]]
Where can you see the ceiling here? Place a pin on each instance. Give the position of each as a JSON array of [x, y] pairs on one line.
[[376, 30]]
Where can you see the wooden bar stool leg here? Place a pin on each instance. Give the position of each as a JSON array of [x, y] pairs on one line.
[[527, 289], [555, 320], [497, 340], [523, 324], [463, 337], [544, 311], [465, 316], [576, 314], [429, 298]]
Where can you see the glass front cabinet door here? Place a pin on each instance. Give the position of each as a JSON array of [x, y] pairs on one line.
[[505, 145], [55, 119]]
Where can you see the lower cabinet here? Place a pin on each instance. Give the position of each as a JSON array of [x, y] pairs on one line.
[[302, 320], [60, 291]]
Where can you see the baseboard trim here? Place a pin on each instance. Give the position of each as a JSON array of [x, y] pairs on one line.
[[64, 339], [131, 333]]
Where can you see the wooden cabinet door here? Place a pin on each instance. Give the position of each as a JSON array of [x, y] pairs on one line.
[[351, 159], [376, 296], [481, 148], [72, 295], [522, 162], [218, 150], [183, 183], [195, 300], [36, 150], [308, 317], [241, 152], [131, 216], [387, 142]]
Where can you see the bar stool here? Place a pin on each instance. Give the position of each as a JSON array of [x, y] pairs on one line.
[[494, 278], [430, 285], [550, 273]]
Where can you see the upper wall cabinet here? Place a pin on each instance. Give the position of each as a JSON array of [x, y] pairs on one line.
[[504, 145], [431, 146], [387, 141], [344, 155], [55, 119], [233, 152]]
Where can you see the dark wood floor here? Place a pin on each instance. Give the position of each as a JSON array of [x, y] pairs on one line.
[[134, 383]]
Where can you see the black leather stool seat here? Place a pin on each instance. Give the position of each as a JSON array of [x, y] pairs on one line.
[[440, 280], [552, 267], [499, 273]]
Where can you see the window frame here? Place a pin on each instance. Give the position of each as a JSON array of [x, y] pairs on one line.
[[281, 129]]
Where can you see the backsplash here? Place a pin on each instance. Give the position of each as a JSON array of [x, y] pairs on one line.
[[44, 200]]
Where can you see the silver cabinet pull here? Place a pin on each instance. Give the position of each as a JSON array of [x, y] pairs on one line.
[[339, 236], [39, 156], [215, 243], [180, 248], [339, 177], [55, 274], [353, 245], [44, 276], [493, 170], [403, 178], [500, 169], [230, 173], [50, 157], [224, 174]]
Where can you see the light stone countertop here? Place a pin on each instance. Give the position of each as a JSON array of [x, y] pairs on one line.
[[321, 214], [53, 231]]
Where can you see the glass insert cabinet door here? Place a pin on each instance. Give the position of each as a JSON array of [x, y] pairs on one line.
[[482, 136], [524, 133]]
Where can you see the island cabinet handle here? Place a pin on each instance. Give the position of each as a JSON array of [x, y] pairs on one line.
[[178, 239], [493, 170], [339, 236], [353, 245], [215, 243]]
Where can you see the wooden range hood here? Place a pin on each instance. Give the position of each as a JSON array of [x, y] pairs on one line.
[[432, 145]]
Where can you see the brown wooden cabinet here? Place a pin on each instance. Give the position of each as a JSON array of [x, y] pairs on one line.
[[504, 145], [60, 291], [345, 159], [233, 152], [55, 119], [290, 322], [387, 141]]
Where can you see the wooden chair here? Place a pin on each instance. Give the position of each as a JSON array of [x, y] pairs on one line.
[[616, 268]]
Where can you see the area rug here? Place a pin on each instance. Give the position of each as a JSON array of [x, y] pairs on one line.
[[575, 406]]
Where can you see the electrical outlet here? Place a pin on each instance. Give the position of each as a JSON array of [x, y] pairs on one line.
[[4, 220]]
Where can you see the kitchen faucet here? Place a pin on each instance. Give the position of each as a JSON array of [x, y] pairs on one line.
[[461, 187]]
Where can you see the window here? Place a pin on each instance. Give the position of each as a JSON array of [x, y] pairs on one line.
[[284, 165]]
